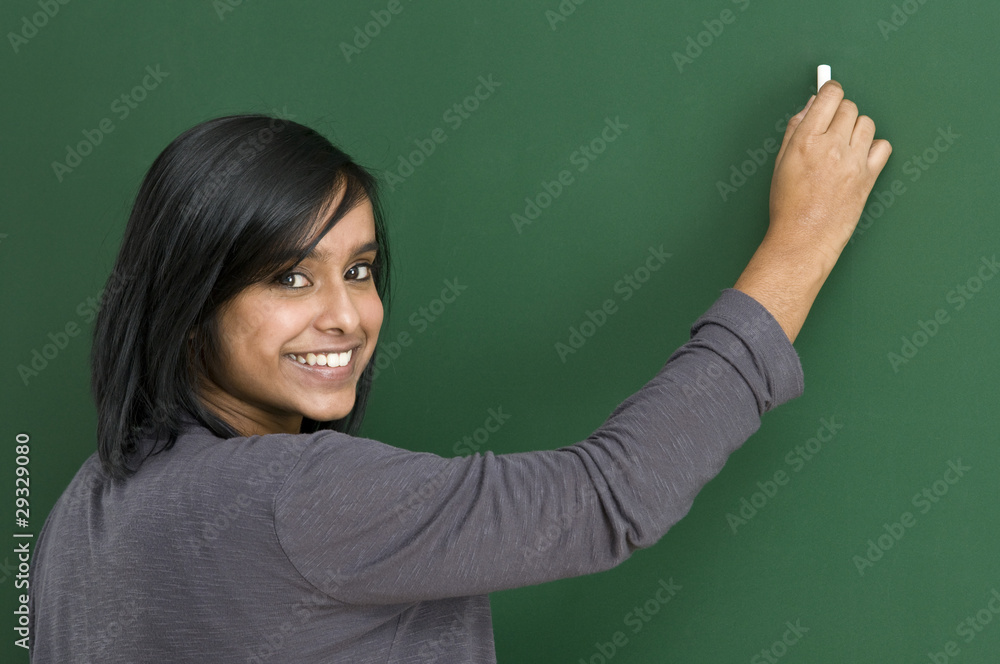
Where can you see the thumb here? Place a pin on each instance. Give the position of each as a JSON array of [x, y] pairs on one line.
[[793, 122]]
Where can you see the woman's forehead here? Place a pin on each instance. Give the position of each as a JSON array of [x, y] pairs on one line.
[[352, 234]]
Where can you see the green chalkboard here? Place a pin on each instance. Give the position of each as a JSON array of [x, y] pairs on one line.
[[580, 139]]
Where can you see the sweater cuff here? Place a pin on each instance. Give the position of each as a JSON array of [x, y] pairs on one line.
[[773, 353]]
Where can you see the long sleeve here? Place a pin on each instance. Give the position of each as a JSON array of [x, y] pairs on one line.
[[368, 523]]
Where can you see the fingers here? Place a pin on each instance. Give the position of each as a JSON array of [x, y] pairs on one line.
[[878, 155], [844, 120], [827, 103], [864, 132], [828, 112], [877, 152]]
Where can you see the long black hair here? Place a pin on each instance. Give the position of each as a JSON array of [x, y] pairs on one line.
[[228, 203]]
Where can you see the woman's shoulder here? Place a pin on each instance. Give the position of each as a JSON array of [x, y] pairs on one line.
[[266, 459]]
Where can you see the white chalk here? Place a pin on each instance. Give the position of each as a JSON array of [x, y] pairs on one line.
[[822, 76]]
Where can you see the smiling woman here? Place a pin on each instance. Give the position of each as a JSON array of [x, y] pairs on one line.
[[232, 514], [295, 346], [252, 238]]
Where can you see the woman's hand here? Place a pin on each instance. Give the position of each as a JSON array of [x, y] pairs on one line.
[[823, 174]]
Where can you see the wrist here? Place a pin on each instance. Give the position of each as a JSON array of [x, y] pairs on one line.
[[785, 282]]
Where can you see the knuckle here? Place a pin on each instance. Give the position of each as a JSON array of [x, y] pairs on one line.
[[832, 91], [848, 106]]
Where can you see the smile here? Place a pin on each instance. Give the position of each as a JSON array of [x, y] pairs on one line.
[[323, 359]]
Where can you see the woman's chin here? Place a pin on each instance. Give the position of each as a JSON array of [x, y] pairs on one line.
[[329, 414]]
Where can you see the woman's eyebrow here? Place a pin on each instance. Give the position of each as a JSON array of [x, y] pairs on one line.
[[322, 255]]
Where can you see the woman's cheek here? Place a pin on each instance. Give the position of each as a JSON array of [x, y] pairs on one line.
[[371, 311]]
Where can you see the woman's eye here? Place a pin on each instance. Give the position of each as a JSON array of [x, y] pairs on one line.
[[360, 272], [293, 280]]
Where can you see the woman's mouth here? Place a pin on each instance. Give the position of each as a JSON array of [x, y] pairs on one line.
[[332, 360], [321, 367]]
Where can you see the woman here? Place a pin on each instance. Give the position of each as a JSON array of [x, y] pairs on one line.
[[231, 514]]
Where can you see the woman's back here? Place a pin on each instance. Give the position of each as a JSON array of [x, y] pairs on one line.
[[182, 562]]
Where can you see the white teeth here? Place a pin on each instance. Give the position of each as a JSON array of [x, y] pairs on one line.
[[325, 359]]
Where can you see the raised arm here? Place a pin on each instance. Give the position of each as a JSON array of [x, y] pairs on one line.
[[373, 524], [824, 171]]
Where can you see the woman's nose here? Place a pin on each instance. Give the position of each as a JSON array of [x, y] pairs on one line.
[[338, 311]]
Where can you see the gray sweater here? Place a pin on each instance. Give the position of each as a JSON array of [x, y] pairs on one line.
[[330, 548]]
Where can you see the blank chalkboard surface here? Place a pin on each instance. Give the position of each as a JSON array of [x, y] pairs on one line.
[[539, 160]]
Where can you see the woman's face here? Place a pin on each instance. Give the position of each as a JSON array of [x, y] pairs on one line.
[[282, 342]]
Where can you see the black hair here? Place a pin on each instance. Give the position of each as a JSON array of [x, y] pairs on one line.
[[230, 202]]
